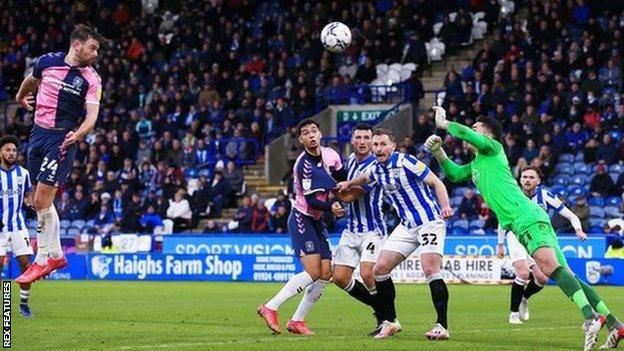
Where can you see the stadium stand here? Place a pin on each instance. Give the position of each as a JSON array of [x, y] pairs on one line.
[[194, 90]]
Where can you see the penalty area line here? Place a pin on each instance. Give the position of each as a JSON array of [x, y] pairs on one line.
[[212, 343]]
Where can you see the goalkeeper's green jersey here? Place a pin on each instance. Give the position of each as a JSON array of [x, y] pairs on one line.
[[491, 174]]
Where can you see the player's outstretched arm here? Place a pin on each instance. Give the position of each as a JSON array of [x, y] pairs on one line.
[[575, 222], [26, 94], [482, 143], [359, 181], [453, 171], [433, 181]]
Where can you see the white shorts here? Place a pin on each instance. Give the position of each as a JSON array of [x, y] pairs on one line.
[[354, 248], [428, 238], [19, 241], [516, 250]]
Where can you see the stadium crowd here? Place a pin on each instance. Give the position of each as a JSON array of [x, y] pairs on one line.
[[193, 90]]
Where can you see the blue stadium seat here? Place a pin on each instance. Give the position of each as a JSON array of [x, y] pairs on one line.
[[596, 201], [449, 224], [614, 176], [596, 222], [614, 201], [595, 229], [596, 212], [455, 201], [616, 168], [579, 179], [90, 223], [612, 212], [459, 231], [65, 224], [576, 191], [459, 191], [72, 231], [617, 135], [559, 190], [579, 157], [564, 167], [477, 224], [560, 180], [569, 158], [79, 223], [461, 223], [580, 167]]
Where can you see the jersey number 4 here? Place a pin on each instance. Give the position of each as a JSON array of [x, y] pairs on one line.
[[429, 239], [370, 247]]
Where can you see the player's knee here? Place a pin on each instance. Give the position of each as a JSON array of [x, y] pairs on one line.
[[341, 280], [523, 274], [431, 270], [381, 269]]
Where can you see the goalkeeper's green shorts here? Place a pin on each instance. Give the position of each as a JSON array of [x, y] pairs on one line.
[[541, 234]]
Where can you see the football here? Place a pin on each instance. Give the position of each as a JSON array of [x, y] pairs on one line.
[[353, 194], [336, 37]]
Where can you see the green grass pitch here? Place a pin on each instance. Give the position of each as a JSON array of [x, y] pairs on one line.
[[83, 315]]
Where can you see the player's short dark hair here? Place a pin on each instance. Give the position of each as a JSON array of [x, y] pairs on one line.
[[494, 125], [83, 33], [306, 122], [537, 170], [383, 131], [9, 139], [363, 126]]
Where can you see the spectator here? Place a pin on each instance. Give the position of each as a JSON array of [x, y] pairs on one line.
[[260, 218], [279, 220], [244, 215], [212, 227], [150, 220], [104, 222], [131, 215], [575, 138], [218, 194], [601, 184], [179, 212], [530, 151], [469, 207], [581, 210], [63, 205], [607, 151], [422, 130], [234, 177], [78, 207]]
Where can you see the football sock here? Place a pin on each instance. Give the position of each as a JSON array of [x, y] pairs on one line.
[[42, 237], [532, 288], [24, 296], [571, 288], [439, 296], [54, 233], [296, 284], [599, 305], [385, 297], [359, 292], [312, 294], [517, 289]]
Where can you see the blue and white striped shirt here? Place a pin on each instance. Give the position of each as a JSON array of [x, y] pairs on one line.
[[365, 214], [547, 200], [402, 180], [13, 184]]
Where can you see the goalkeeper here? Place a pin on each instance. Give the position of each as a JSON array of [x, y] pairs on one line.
[[491, 174]]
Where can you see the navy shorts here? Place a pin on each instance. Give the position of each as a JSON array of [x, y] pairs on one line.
[[44, 156], [308, 236]]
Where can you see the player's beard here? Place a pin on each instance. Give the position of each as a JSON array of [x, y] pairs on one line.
[[8, 163]]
